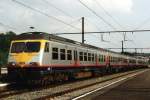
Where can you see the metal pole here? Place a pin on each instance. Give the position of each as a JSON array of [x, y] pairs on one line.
[[122, 47], [82, 29]]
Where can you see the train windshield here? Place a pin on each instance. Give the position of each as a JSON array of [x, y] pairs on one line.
[[19, 47]]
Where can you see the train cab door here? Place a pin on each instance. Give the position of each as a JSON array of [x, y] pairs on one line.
[[46, 54]]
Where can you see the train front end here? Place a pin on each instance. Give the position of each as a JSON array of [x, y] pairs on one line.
[[25, 58]]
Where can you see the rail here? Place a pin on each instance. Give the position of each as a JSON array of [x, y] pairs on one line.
[[52, 92]]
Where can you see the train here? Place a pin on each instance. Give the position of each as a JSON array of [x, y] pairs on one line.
[[47, 57]]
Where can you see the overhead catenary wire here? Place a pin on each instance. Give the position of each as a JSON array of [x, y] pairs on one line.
[[73, 22], [45, 14], [93, 24], [102, 39], [108, 14], [96, 14], [7, 26], [105, 41], [143, 23], [106, 32], [60, 10]]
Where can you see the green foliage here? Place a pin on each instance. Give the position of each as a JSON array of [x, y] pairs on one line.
[[5, 40]]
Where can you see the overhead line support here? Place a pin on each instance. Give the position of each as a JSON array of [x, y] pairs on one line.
[[105, 32], [82, 29]]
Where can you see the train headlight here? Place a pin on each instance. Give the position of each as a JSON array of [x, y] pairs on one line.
[[48, 69], [12, 63], [34, 63]]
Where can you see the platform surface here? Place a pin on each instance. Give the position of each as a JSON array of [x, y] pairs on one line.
[[137, 88]]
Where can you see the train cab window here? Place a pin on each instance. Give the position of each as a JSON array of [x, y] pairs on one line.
[[85, 56], [32, 47], [62, 54], [81, 56], [69, 55], [55, 53], [89, 56], [46, 47], [18, 47]]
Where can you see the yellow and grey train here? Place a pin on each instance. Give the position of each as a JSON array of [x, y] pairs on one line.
[[43, 56]]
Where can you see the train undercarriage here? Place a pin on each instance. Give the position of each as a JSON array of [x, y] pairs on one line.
[[47, 75]]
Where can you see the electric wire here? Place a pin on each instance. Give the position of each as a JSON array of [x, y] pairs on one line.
[[93, 24], [47, 2], [61, 28], [107, 13], [37, 10], [7, 26], [142, 23], [96, 14]]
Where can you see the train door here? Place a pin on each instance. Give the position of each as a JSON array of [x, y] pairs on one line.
[[46, 54], [96, 59], [75, 57]]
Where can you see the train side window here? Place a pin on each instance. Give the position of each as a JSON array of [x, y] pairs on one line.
[[111, 59], [46, 47], [81, 56], [75, 55], [62, 54], [69, 55], [92, 57], [55, 53], [99, 58], [104, 58], [95, 57], [114, 59], [85, 56], [89, 56]]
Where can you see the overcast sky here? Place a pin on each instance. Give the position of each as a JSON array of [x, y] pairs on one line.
[[57, 16]]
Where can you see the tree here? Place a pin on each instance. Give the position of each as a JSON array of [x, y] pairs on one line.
[[5, 40]]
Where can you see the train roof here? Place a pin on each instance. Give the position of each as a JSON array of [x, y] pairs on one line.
[[47, 36]]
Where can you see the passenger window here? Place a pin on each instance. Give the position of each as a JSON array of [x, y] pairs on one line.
[[69, 55], [99, 58], [62, 54], [46, 47], [55, 53], [95, 57], [89, 56], [81, 56], [85, 56], [75, 55], [92, 57], [102, 59]]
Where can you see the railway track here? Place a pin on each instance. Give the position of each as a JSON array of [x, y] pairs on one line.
[[60, 90]]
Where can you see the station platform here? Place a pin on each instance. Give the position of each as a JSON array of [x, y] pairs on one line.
[[137, 88]]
